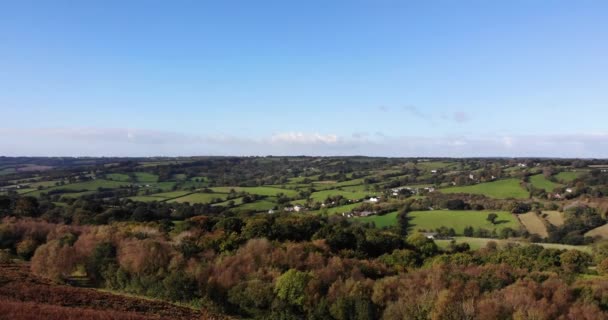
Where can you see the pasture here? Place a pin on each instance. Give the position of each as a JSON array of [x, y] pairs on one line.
[[91, 185], [600, 232], [387, 220], [533, 223], [320, 196], [478, 243], [555, 218], [567, 176], [500, 189], [338, 209], [431, 220], [540, 182], [200, 198], [263, 191]]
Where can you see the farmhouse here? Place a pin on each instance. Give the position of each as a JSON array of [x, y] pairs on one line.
[[430, 235]]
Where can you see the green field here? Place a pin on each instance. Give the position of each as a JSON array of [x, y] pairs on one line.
[[431, 220], [387, 220], [568, 176], [260, 205], [146, 177], [320, 196], [147, 198], [237, 201], [500, 189], [200, 198], [478, 243], [263, 191], [118, 177], [92, 185], [338, 210], [539, 181], [162, 196]]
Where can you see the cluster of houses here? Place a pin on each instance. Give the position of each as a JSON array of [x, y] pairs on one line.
[[413, 190], [14, 187], [559, 196]]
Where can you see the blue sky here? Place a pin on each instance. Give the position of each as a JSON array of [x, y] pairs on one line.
[[390, 78]]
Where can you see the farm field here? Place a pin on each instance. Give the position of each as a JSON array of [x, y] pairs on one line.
[[533, 223], [338, 210], [500, 189], [601, 232], [387, 220], [200, 198], [478, 243], [539, 181], [92, 185], [431, 220], [568, 176], [555, 218], [263, 191], [320, 196], [260, 205]]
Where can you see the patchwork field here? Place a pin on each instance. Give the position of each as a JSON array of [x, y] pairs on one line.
[[500, 189], [533, 223]]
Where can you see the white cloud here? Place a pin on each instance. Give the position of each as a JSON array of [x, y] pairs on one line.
[[304, 138], [141, 142]]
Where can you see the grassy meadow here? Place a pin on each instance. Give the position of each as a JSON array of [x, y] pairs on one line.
[[500, 189]]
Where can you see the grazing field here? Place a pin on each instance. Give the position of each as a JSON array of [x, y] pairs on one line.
[[146, 177], [555, 218], [338, 210], [500, 189], [568, 176], [200, 198], [478, 243], [539, 181], [237, 201], [431, 220], [160, 196], [320, 196], [147, 198], [260, 205], [601, 232], [263, 191], [387, 220], [118, 177], [92, 185], [533, 223]]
